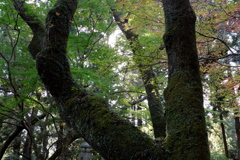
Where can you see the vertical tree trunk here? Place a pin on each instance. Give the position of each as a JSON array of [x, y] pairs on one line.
[[27, 149], [17, 146], [237, 127], [217, 107], [224, 135], [186, 126]]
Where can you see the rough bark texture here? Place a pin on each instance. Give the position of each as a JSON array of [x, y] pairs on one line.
[[147, 75], [113, 137], [186, 128]]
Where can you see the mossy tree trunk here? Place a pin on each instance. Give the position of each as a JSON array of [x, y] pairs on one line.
[[186, 127], [110, 135]]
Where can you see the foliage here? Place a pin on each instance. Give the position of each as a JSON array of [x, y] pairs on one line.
[[108, 70], [217, 156]]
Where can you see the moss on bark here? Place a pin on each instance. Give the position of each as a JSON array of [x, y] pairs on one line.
[[186, 126], [109, 134], [112, 136], [185, 118]]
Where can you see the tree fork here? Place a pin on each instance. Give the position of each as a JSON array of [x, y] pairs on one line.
[[109, 134]]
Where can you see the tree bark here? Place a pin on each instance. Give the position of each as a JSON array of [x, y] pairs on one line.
[[27, 148], [63, 143], [16, 144], [186, 126]]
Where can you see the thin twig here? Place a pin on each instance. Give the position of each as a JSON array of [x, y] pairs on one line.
[[216, 38]]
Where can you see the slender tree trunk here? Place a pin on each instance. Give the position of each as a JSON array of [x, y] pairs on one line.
[[63, 143], [224, 135], [27, 148], [217, 107], [147, 75], [237, 127], [186, 126]]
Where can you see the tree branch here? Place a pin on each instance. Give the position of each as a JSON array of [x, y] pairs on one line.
[[36, 25], [216, 38], [14, 134]]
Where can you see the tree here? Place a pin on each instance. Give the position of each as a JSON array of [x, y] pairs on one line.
[[183, 95], [89, 115], [146, 72], [218, 51]]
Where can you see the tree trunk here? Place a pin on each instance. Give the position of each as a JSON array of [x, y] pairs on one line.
[[223, 135], [36, 26], [109, 134], [237, 127], [9, 140], [147, 75], [27, 148], [17, 146], [113, 137], [186, 126], [15, 133]]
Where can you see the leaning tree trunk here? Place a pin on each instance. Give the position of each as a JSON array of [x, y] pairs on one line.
[[147, 75], [186, 127], [113, 137]]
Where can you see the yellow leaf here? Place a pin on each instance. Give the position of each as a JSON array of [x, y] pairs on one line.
[[51, 25], [57, 13]]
